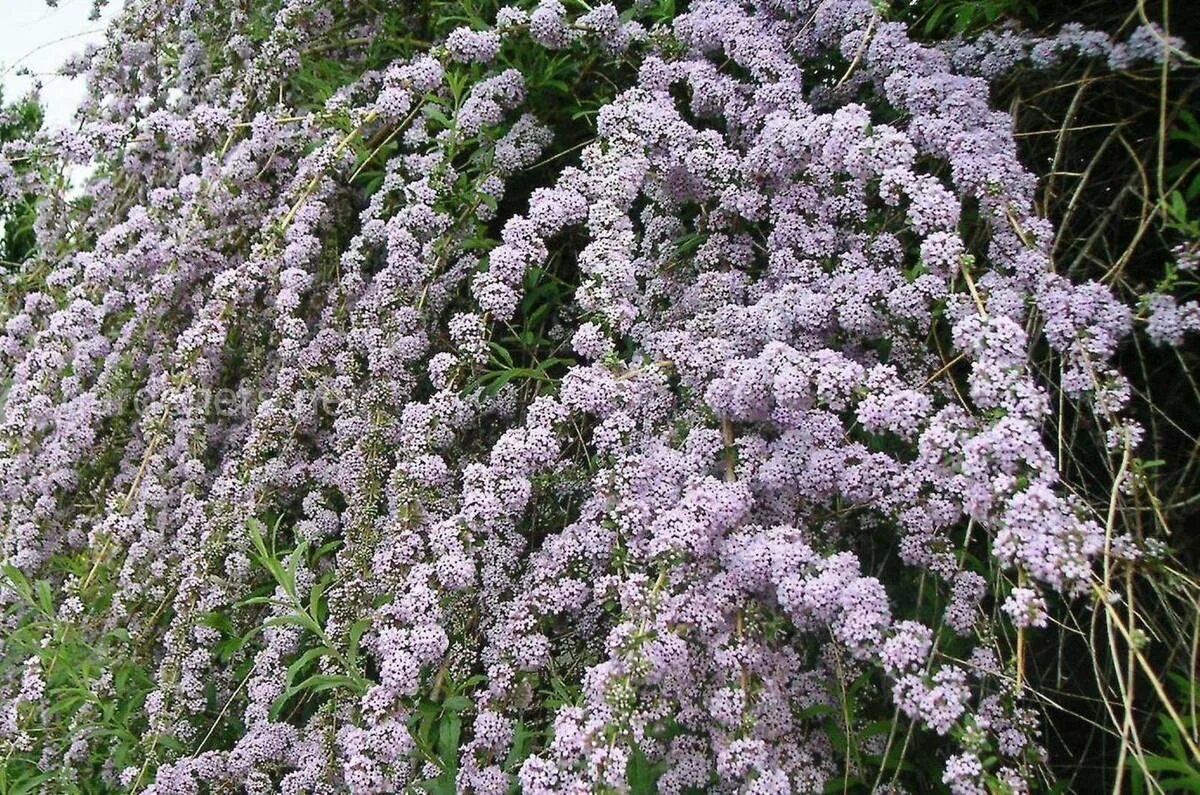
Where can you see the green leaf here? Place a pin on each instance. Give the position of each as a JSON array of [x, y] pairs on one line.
[[306, 659], [301, 620], [642, 776], [220, 621], [45, 597], [442, 785], [1193, 188], [293, 566], [30, 784], [539, 313], [502, 356], [456, 704], [935, 18], [327, 548], [318, 683], [499, 381], [448, 733], [255, 600], [432, 111], [356, 632], [293, 671], [1177, 206], [521, 744], [18, 581], [119, 633], [314, 598]]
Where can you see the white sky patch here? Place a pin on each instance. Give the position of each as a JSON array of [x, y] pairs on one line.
[[40, 39]]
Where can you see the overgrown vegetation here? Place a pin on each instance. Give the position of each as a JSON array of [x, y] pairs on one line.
[[673, 397]]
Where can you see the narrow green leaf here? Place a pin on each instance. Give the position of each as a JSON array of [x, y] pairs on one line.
[[18, 581]]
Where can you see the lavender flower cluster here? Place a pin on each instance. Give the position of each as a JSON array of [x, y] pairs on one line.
[[786, 344]]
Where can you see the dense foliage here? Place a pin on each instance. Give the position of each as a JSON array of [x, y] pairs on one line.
[[18, 122], [680, 397]]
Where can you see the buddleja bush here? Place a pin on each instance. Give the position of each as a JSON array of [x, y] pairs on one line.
[[457, 397]]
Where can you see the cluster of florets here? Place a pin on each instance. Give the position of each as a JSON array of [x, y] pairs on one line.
[[995, 54], [748, 397], [1169, 320]]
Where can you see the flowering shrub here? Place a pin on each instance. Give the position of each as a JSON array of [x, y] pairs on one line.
[[568, 399]]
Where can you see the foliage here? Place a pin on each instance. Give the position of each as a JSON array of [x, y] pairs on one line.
[[18, 122]]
